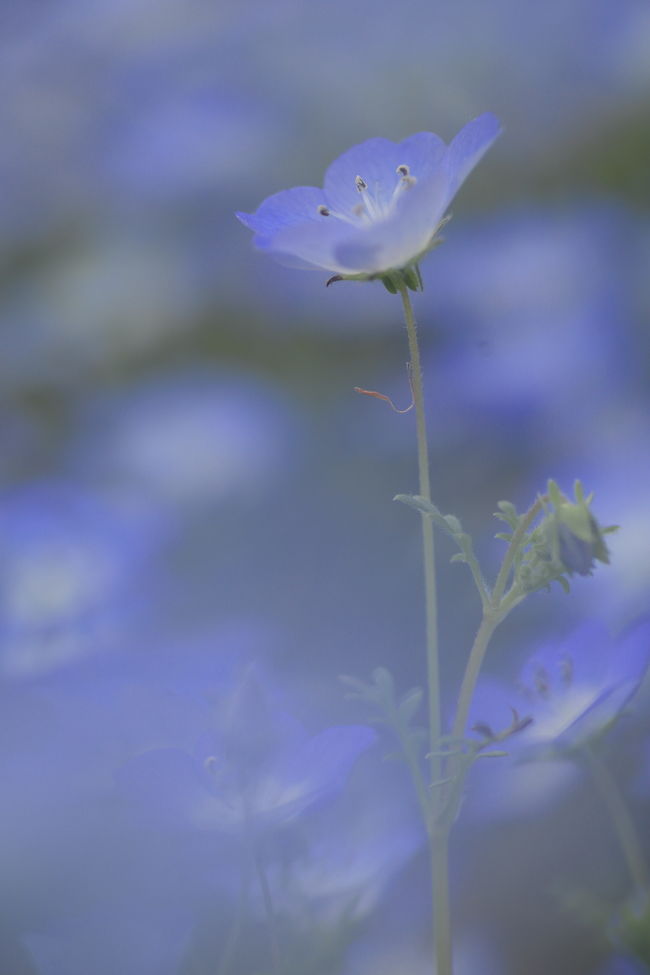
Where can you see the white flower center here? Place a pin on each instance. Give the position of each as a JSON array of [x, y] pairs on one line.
[[374, 205]]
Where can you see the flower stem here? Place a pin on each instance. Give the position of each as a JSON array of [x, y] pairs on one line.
[[513, 548], [488, 625], [621, 821], [493, 613], [438, 838], [269, 910]]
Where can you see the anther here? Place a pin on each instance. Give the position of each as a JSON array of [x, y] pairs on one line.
[[566, 670], [360, 183], [542, 684], [403, 170], [324, 212]]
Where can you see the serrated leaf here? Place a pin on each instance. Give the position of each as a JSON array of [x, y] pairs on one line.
[[383, 679], [353, 682], [507, 507], [497, 514], [418, 501], [426, 507], [408, 706], [454, 524]]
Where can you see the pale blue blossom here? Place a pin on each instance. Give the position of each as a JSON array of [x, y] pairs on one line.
[[566, 697], [380, 208]]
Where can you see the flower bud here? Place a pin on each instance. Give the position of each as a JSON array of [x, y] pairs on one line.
[[574, 536]]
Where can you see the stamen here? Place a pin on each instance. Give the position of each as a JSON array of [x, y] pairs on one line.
[[360, 183], [324, 212], [566, 670], [403, 183], [542, 683]]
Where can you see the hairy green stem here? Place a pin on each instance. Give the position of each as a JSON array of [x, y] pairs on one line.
[[513, 548], [493, 614], [488, 625], [235, 930], [269, 910], [621, 820], [411, 758], [438, 839]]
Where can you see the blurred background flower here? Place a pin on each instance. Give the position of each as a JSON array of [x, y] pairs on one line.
[[187, 476]]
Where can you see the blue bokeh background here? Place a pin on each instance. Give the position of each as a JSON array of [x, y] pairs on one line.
[[189, 484]]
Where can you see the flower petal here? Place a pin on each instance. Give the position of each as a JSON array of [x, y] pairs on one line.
[[399, 240], [311, 244], [597, 717], [423, 153], [284, 209], [375, 160], [316, 769], [468, 148]]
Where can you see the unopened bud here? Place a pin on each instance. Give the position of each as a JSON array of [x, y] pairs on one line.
[[575, 538]]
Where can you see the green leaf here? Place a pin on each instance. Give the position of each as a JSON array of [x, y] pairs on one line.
[[409, 704], [353, 682], [426, 507], [384, 682]]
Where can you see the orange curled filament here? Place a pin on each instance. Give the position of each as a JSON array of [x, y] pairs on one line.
[[387, 399]]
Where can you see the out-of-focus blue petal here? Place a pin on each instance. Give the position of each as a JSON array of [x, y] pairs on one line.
[[468, 148], [166, 786], [320, 765], [187, 439], [356, 846], [284, 209], [573, 691], [605, 709], [69, 561]]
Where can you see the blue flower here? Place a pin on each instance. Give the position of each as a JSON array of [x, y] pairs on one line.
[[187, 438], [567, 696], [70, 558], [256, 767], [381, 206]]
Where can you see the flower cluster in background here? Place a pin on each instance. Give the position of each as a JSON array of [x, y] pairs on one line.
[[196, 526]]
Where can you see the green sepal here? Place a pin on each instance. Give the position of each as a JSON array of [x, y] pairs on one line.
[[412, 278], [389, 284]]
